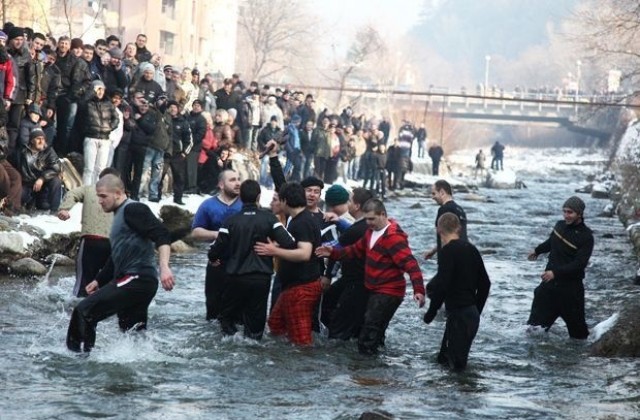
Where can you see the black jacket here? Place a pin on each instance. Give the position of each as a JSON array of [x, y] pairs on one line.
[[99, 116], [198, 126], [181, 135], [74, 76], [266, 134], [144, 128], [33, 165], [26, 75], [569, 248], [238, 235]]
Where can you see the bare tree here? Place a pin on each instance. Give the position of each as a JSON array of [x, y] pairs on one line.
[[276, 34], [608, 34]]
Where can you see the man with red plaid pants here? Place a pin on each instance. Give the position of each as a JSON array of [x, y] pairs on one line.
[[299, 270], [387, 255]]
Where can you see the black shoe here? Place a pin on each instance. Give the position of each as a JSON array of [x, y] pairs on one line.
[[154, 200], [179, 202]]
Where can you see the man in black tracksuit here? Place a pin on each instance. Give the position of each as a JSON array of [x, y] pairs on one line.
[[463, 285], [561, 293], [442, 194], [249, 275], [344, 304], [129, 280]]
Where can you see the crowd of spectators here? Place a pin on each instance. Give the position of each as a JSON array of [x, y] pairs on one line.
[[111, 104]]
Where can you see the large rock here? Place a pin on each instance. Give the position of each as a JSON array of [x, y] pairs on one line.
[[27, 267], [60, 260], [623, 339], [177, 221], [180, 247], [57, 243], [11, 242], [501, 180]]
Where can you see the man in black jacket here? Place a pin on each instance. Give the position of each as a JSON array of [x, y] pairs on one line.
[[39, 167], [561, 292], [99, 118], [462, 284], [74, 78], [249, 275], [182, 143], [25, 78], [198, 126]]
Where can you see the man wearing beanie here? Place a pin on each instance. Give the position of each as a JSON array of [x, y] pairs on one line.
[[561, 292], [337, 200]]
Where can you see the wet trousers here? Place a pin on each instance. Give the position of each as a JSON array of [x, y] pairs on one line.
[[343, 308], [379, 311], [552, 300], [214, 285], [93, 253], [459, 332], [128, 297], [245, 296], [294, 311]]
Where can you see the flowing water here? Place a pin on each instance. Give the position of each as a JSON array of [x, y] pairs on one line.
[[182, 368]]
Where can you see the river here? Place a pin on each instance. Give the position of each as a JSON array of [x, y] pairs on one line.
[[182, 368]]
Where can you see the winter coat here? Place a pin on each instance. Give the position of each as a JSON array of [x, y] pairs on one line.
[[26, 75], [33, 165], [7, 76], [181, 135], [100, 118]]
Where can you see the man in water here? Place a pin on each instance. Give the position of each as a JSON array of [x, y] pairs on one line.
[[561, 292], [385, 250], [129, 280], [248, 274], [206, 223], [463, 285], [299, 269], [442, 194], [94, 248]]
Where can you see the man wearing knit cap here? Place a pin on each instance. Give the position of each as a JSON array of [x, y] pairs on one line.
[[337, 201], [561, 292], [25, 80]]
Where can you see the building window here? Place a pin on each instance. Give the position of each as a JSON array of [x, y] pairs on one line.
[[166, 42], [169, 8]]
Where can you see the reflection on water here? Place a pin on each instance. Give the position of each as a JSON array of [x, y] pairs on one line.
[[183, 368]]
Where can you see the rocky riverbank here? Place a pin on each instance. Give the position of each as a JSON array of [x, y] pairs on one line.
[[622, 184]]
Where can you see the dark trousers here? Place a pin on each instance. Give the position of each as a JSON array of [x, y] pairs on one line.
[[435, 166], [551, 300], [246, 297], [15, 115], [380, 310], [129, 301], [65, 120], [122, 162], [381, 182], [343, 308], [320, 165], [48, 198], [459, 332], [137, 154], [178, 170], [191, 168], [214, 285], [93, 253]]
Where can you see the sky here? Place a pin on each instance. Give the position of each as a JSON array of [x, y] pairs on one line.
[[391, 17]]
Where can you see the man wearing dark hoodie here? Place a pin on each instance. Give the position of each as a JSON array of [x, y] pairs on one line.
[[387, 255]]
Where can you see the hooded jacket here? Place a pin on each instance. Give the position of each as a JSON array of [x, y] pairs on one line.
[[386, 262]]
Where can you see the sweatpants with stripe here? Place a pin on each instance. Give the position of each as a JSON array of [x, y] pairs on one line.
[[93, 253], [246, 297], [128, 297]]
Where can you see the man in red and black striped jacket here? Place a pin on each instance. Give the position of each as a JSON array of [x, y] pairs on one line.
[[387, 255]]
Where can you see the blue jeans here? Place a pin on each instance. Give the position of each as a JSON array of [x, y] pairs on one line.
[[154, 160], [265, 178]]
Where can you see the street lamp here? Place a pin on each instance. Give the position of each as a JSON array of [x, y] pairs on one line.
[[578, 74], [487, 59]]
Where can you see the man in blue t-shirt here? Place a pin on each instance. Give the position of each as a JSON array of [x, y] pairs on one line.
[[206, 223]]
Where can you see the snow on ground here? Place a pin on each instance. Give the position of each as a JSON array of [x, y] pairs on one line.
[[516, 159]]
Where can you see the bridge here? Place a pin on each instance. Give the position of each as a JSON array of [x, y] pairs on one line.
[[548, 109]]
